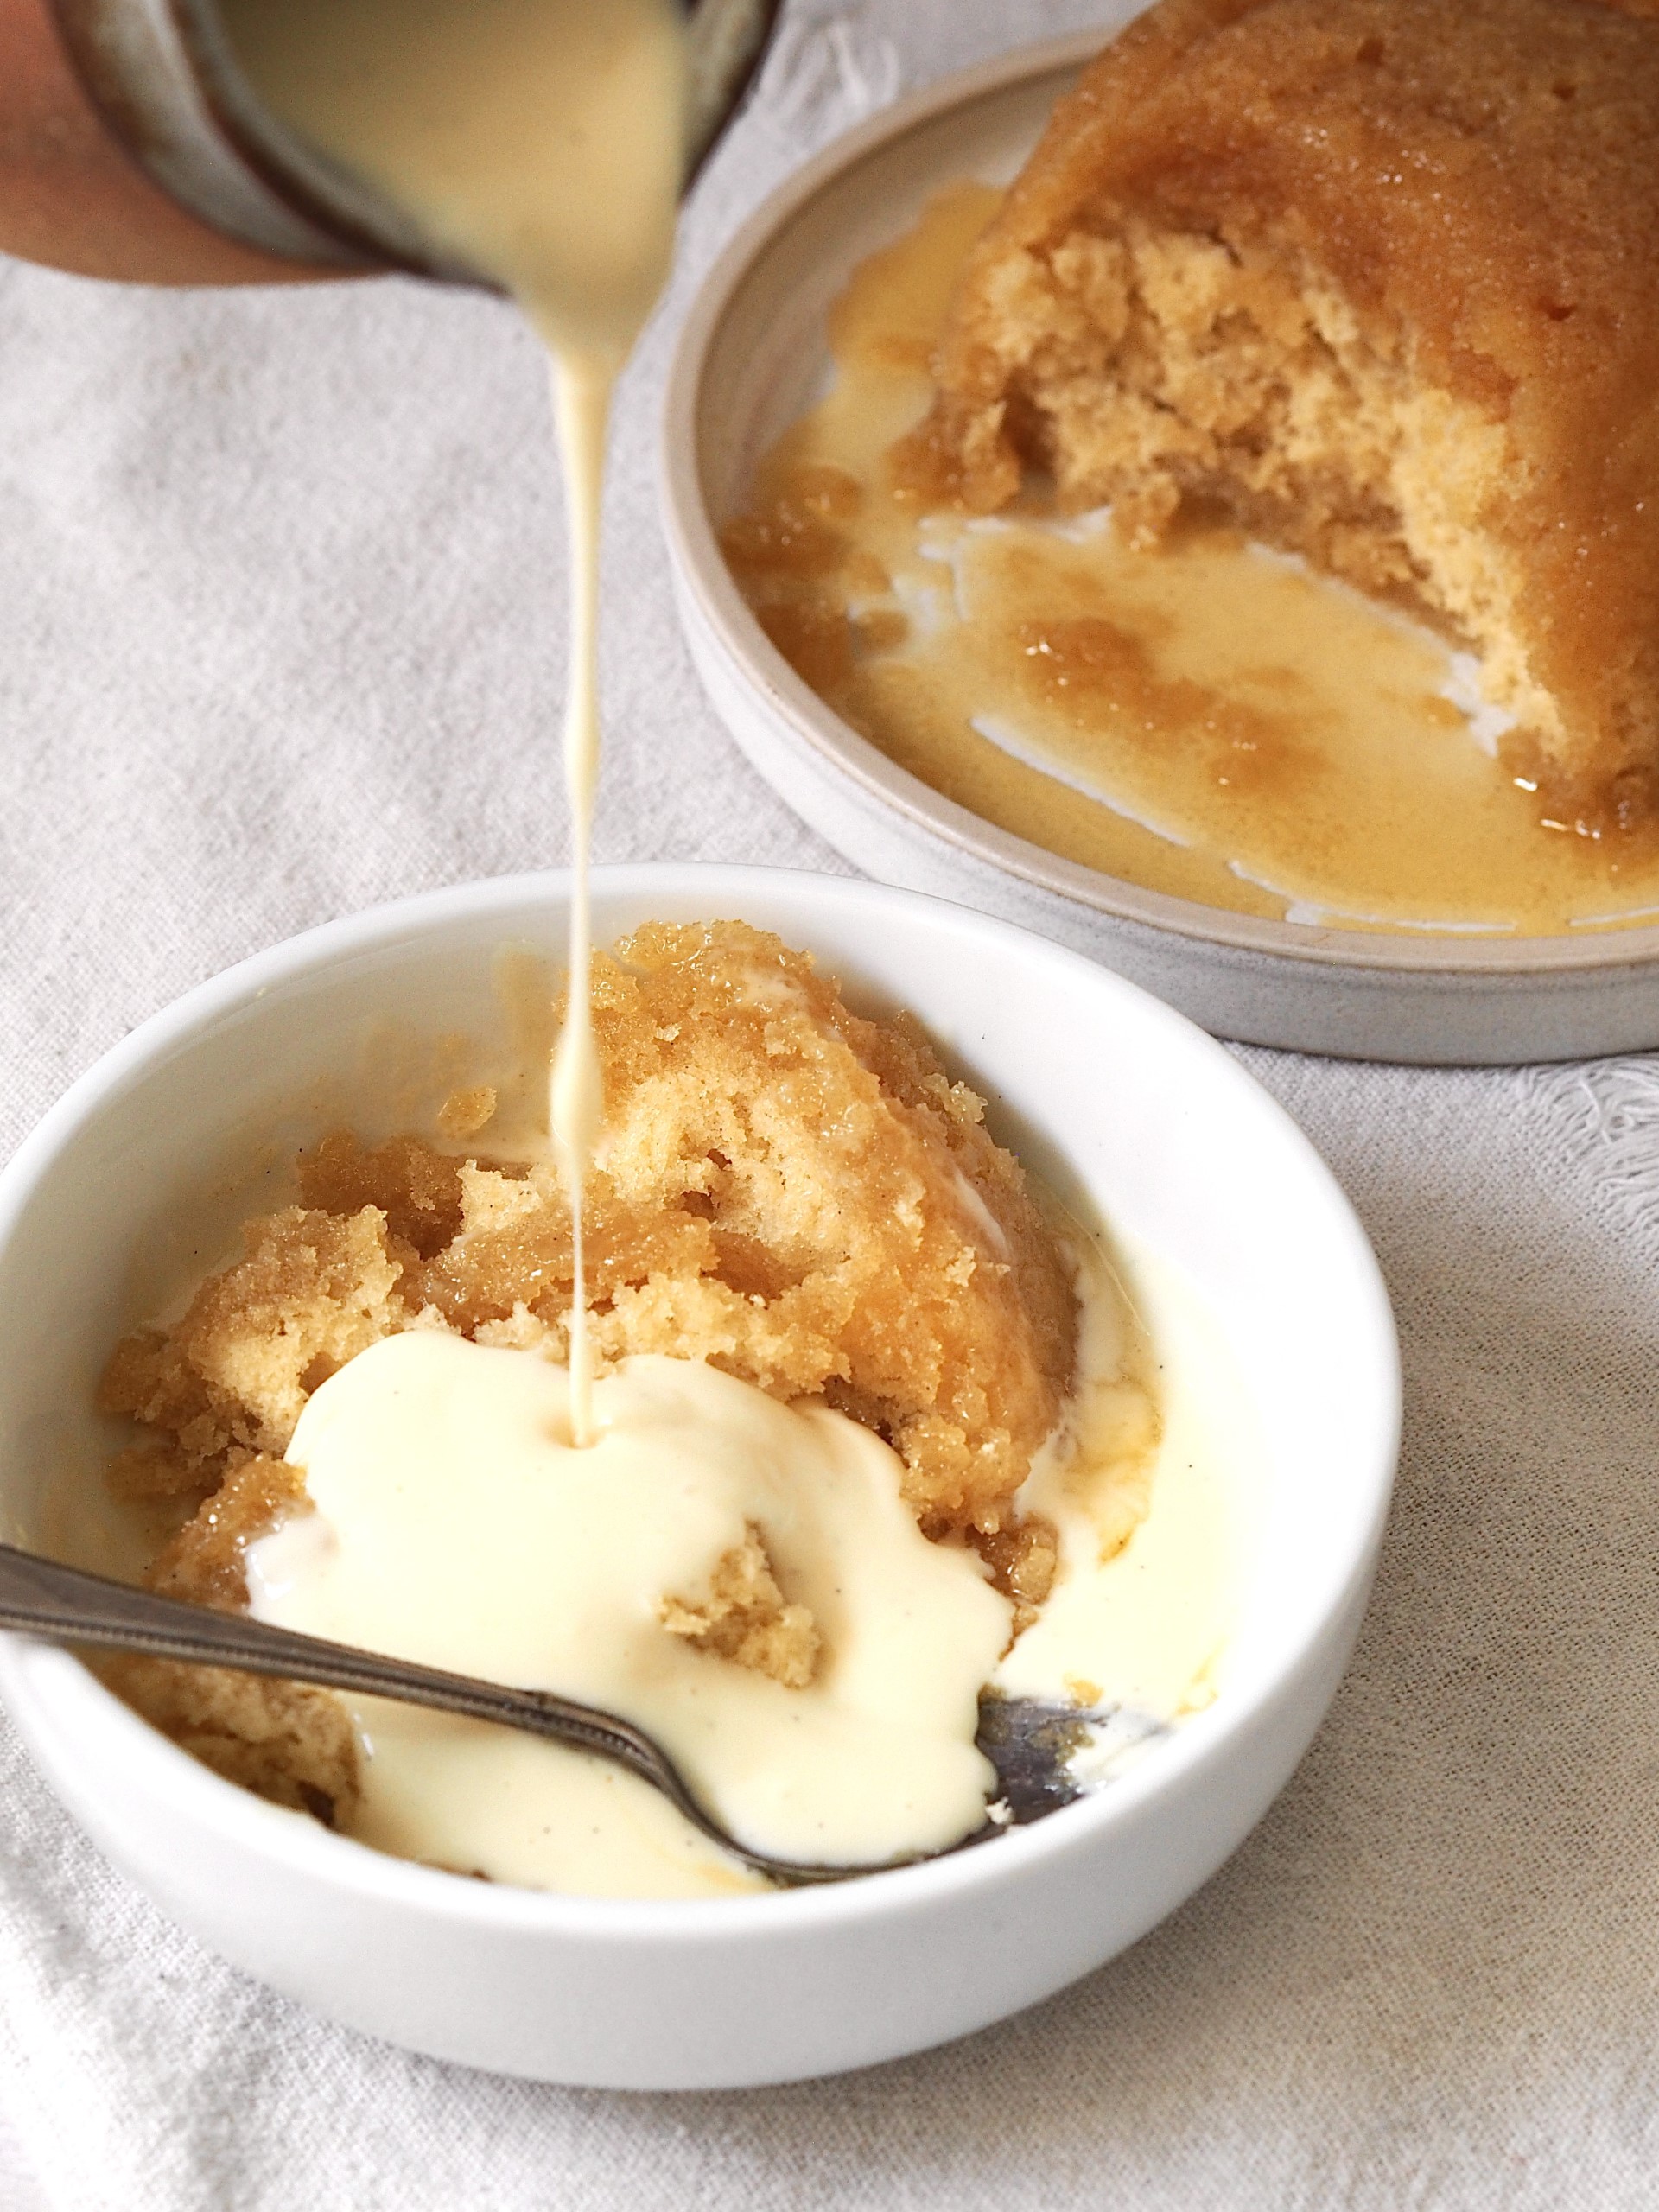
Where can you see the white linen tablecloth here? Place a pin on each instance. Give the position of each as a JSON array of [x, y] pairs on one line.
[[282, 598]]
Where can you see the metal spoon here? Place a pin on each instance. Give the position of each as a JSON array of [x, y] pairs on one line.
[[1027, 1742]]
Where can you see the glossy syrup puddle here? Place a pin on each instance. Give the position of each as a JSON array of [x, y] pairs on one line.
[[1210, 721]]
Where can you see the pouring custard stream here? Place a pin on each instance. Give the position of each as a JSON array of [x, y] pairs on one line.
[[757, 1581], [542, 143]]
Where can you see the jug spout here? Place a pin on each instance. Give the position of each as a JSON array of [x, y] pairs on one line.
[[131, 147]]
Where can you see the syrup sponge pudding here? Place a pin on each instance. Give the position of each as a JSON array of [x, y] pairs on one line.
[[790, 1191], [1378, 281]]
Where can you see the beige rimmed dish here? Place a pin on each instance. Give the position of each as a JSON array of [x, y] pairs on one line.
[[752, 357]]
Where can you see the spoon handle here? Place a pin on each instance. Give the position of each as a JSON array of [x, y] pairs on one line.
[[61, 1605]]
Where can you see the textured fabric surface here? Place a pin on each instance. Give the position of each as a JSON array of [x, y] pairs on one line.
[[280, 586]]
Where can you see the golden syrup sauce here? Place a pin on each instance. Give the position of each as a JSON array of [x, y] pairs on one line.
[[1211, 720]]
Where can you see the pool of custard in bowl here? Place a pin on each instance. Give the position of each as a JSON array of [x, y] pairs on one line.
[[1211, 720], [355, 1421]]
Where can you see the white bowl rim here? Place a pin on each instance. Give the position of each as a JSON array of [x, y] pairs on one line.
[[702, 572], [41, 1674]]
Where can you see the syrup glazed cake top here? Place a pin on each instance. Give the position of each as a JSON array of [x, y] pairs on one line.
[[1379, 279]]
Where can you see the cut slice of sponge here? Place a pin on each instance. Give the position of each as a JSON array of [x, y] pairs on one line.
[[1379, 280]]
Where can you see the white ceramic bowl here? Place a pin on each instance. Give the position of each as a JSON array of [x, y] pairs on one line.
[[1178, 1148], [752, 356]]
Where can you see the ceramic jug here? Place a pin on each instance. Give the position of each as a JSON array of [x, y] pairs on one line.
[[131, 147]]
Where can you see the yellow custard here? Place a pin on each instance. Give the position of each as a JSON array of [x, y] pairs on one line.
[[454, 1522], [1210, 721], [448, 1518]]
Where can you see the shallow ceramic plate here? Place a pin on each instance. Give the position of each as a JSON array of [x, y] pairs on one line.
[[752, 358]]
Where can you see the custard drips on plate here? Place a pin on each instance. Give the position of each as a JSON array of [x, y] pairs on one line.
[[1210, 721]]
